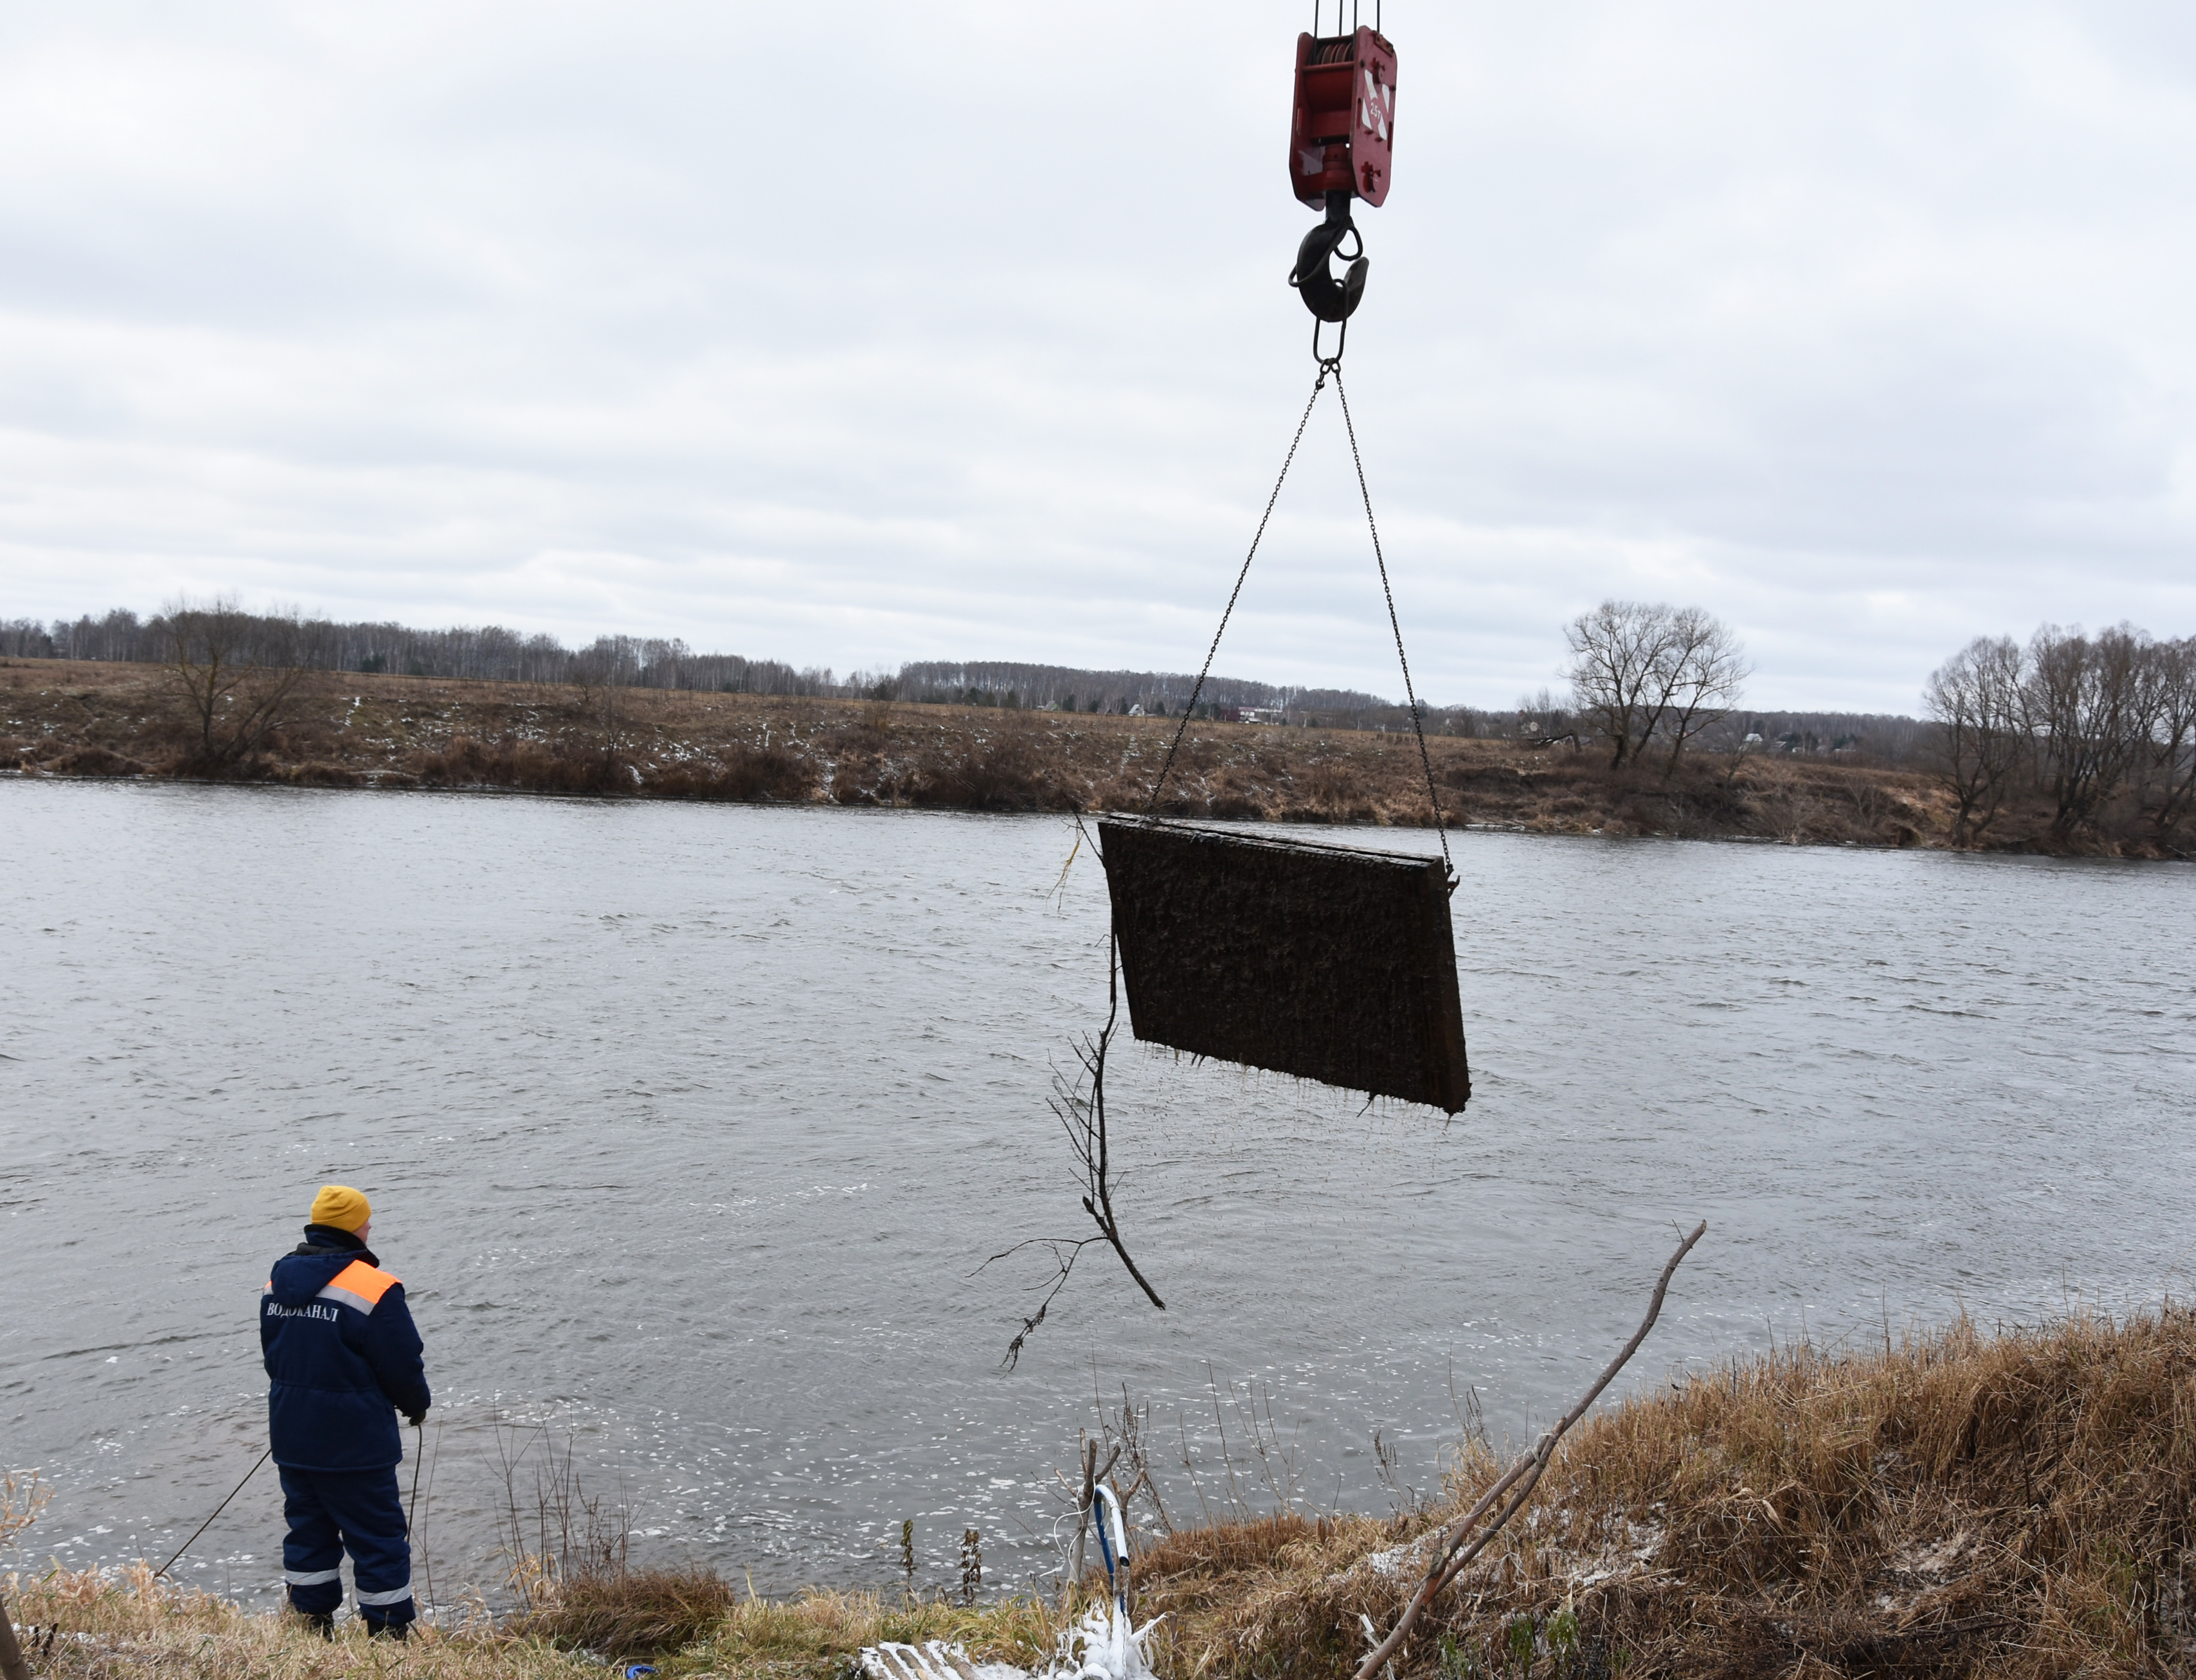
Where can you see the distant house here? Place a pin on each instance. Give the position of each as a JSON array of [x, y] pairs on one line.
[[1262, 714]]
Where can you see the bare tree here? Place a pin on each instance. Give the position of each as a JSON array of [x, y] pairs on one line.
[[1976, 698], [1705, 669], [1616, 671], [2092, 707], [234, 671], [2166, 768], [1640, 670], [595, 674]]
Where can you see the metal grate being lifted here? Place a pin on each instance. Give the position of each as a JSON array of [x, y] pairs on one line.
[[1324, 962]]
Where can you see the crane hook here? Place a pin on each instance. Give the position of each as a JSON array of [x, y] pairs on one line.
[[1326, 296]]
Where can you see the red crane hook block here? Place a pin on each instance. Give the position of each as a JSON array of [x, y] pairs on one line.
[[1343, 129]]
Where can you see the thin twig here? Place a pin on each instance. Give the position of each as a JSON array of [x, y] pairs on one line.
[[1101, 1182], [1073, 1247], [1082, 1118], [1454, 1555]]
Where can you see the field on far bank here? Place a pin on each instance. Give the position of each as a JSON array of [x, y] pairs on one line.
[[63, 718], [2019, 1505]]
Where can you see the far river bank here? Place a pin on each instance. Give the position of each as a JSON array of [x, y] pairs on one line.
[[63, 719]]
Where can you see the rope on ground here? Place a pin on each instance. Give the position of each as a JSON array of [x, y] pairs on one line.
[[217, 1511]]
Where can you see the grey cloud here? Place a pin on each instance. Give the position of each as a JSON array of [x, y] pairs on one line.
[[856, 334]]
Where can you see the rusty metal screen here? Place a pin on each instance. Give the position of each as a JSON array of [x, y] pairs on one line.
[[1323, 962]]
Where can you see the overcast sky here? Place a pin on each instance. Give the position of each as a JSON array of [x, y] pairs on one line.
[[856, 333]]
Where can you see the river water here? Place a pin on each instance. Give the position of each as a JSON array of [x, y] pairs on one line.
[[689, 1127]]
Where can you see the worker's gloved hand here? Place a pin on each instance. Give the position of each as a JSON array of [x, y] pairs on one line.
[[416, 1419]]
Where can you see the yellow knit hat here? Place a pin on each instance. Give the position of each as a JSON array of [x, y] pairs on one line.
[[341, 1206]]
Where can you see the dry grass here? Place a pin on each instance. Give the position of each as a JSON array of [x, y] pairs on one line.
[[639, 1613], [129, 1625], [2013, 1506], [816, 1635], [2022, 1505], [90, 719], [126, 1624], [23, 1495]]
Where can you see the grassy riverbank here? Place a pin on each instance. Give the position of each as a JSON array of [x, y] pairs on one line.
[[100, 719], [2016, 1505]]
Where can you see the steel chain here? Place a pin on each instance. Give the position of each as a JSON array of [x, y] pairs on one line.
[[1417, 723], [1151, 808], [1327, 365]]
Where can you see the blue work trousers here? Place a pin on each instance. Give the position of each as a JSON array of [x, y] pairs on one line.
[[334, 1511]]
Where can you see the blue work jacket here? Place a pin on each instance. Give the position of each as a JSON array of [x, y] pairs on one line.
[[345, 1359]]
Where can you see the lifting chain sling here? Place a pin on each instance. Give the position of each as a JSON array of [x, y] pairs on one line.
[[1340, 139]]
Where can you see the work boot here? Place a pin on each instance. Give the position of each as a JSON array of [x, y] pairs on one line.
[[400, 1632], [322, 1622]]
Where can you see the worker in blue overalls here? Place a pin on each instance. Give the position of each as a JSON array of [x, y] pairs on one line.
[[345, 1359]]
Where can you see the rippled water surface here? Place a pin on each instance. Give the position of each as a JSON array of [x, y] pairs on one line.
[[687, 1128]]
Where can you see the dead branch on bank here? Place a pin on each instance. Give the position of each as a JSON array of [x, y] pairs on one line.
[[1125, 1433], [1079, 1105], [1453, 1555]]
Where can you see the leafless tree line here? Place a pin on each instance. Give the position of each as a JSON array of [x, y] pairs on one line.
[[1074, 688], [491, 653], [2088, 723], [1888, 740], [488, 652]]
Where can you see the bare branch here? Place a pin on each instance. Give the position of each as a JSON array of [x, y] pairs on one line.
[[1453, 1554], [1073, 1247], [1079, 1104]]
